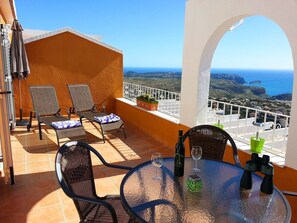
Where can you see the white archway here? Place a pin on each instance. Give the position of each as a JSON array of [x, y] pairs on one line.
[[206, 21]]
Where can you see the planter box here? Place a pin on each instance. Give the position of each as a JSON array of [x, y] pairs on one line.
[[147, 106]]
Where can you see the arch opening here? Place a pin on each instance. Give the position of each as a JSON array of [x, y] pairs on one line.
[[251, 66]]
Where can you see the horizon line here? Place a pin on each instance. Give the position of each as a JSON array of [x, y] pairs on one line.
[[243, 68]]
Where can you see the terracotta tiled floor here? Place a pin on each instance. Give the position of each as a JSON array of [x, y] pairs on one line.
[[36, 195]]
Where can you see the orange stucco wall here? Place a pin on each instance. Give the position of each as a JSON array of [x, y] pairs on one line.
[[167, 132], [67, 58], [162, 130]]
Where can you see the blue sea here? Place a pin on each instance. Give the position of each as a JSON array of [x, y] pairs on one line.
[[274, 81]]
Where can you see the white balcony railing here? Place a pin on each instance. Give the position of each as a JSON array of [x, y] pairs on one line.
[[237, 120], [169, 102]]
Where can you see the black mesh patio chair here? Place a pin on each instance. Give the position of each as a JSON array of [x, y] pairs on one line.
[[75, 175], [213, 141], [83, 106], [47, 111]]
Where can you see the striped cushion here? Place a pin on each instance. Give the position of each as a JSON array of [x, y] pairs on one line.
[[66, 124]]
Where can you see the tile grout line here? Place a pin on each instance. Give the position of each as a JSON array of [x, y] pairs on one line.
[[58, 191]]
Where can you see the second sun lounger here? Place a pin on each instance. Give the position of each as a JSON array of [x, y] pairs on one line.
[[84, 107]]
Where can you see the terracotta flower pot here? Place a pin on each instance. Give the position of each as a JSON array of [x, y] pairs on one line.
[[147, 106]]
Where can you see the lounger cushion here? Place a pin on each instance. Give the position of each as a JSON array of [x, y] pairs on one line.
[[66, 124], [107, 118]]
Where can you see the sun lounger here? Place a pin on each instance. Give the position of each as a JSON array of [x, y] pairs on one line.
[[47, 111], [84, 107]]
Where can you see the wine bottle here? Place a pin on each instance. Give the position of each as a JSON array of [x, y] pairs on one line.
[[179, 158]]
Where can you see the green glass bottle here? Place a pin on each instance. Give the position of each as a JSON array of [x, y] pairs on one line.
[[179, 158]]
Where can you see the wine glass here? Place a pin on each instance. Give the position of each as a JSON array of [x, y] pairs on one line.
[[196, 154], [157, 161]]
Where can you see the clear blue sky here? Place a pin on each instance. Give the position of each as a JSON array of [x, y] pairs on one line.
[[150, 32]]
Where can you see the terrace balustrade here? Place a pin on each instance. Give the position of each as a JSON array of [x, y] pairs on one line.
[[169, 102], [237, 120]]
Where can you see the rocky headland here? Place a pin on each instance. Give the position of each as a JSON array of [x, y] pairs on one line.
[[255, 82]]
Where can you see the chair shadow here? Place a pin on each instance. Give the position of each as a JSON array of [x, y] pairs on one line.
[[26, 138], [91, 138]]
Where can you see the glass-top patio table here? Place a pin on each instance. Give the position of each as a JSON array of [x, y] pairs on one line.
[[219, 200]]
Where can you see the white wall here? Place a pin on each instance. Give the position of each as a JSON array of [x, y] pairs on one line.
[[206, 21]]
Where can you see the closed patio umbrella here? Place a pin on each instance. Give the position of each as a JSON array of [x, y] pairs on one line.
[[19, 62]]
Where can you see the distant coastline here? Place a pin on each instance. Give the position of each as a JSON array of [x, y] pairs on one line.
[[226, 86], [152, 69], [275, 82]]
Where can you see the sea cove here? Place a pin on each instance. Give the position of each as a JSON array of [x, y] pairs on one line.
[[274, 81]]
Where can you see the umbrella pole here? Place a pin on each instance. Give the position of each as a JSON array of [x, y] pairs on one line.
[[21, 122], [21, 102]]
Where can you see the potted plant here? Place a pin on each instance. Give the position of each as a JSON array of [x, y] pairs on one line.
[[147, 102]]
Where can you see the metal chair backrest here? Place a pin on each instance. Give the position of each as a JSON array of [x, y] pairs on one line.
[[213, 141], [75, 174], [81, 97], [44, 100], [74, 171]]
